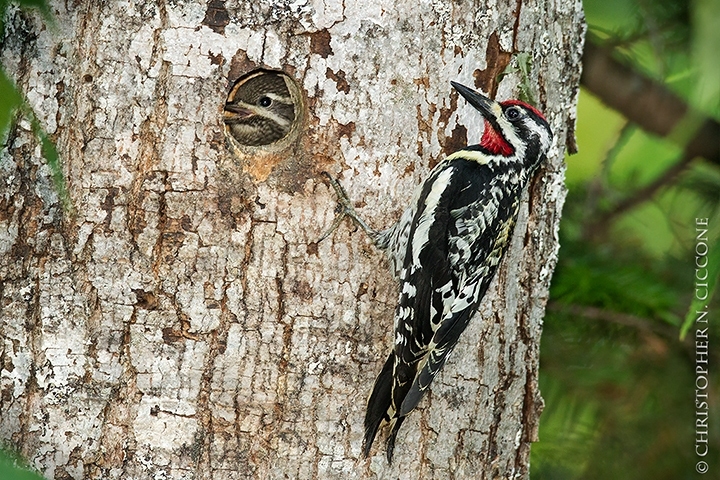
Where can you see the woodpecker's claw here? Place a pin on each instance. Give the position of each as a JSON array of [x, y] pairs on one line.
[[343, 209]]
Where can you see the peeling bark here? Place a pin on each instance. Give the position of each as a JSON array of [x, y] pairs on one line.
[[182, 322]]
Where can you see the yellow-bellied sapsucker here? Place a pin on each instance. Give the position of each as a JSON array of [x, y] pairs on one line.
[[446, 247]]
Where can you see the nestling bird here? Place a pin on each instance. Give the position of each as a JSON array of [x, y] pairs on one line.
[[260, 110], [445, 250]]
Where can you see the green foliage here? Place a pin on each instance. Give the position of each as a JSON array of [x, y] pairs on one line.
[[13, 468], [706, 18], [522, 65], [703, 182], [617, 373], [569, 434], [707, 277], [12, 101], [619, 404], [615, 280], [53, 160], [674, 41], [41, 5]]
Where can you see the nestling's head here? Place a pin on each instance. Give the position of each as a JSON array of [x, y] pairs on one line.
[[260, 110]]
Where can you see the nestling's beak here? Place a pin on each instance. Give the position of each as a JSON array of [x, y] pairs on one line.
[[234, 113], [489, 108]]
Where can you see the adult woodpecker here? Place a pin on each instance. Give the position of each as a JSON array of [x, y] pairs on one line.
[[260, 109], [446, 247]]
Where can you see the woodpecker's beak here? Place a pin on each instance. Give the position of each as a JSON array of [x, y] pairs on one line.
[[489, 108], [235, 112]]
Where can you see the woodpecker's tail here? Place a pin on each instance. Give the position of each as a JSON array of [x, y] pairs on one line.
[[378, 404], [390, 447]]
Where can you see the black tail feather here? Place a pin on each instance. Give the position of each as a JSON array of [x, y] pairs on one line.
[[390, 447], [378, 404]]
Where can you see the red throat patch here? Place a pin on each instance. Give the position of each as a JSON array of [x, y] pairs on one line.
[[494, 142]]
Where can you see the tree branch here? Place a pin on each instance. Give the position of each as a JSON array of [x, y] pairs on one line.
[[646, 102], [619, 318], [643, 194]]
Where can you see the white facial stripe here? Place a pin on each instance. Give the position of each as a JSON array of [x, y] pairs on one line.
[[545, 138], [279, 98], [262, 112], [283, 122], [508, 131]]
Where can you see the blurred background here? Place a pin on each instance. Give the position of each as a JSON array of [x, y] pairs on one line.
[[617, 368], [618, 354]]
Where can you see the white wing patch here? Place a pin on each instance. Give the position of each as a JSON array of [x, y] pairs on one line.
[[422, 232]]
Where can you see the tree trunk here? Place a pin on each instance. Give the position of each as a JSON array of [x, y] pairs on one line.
[[180, 321]]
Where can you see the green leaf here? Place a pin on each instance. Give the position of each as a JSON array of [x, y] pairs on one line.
[[706, 19], [53, 160], [13, 467], [10, 101], [568, 433], [41, 5]]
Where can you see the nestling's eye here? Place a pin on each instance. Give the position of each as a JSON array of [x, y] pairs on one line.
[[265, 101], [512, 113]]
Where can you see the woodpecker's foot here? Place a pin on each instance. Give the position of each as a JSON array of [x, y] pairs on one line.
[[343, 209]]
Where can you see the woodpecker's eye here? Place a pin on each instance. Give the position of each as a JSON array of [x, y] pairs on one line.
[[265, 101], [512, 113]]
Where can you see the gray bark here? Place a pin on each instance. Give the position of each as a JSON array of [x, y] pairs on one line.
[[180, 321]]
